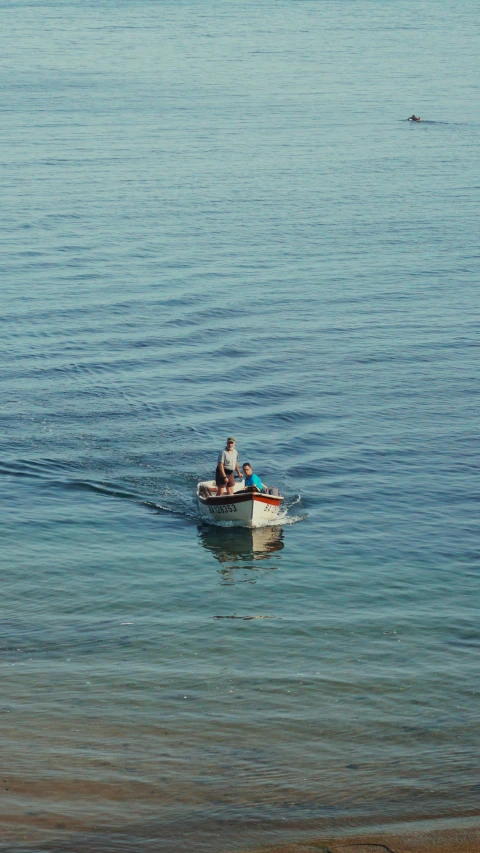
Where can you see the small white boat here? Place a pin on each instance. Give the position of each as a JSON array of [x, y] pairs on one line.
[[245, 508]]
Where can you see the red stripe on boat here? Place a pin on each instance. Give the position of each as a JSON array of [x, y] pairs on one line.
[[241, 498]]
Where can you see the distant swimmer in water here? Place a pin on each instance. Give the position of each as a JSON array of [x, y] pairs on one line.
[[414, 118]]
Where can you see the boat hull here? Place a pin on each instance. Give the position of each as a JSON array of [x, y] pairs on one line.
[[242, 509]]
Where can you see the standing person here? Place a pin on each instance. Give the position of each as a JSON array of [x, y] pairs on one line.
[[226, 466]]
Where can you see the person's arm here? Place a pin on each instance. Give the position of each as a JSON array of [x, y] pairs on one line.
[[240, 474]]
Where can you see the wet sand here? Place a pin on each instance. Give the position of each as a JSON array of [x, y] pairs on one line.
[[445, 835], [404, 838]]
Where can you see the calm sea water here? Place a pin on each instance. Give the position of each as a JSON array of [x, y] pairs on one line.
[[216, 220]]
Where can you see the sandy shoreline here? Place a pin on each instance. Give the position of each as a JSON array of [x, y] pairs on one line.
[[416, 837], [442, 835]]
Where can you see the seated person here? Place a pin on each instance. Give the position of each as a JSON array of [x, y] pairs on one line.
[[252, 479], [414, 118]]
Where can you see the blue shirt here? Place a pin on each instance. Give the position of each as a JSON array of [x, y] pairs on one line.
[[253, 480]]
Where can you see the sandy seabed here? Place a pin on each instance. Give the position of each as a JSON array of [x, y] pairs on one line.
[[400, 838]]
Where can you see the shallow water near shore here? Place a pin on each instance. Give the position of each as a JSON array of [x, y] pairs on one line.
[[217, 219]]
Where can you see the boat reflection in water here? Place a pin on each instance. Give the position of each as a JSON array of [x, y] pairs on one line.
[[240, 548]]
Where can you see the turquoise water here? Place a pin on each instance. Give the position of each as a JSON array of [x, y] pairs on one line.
[[216, 219]]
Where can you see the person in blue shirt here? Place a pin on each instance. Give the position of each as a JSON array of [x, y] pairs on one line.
[[252, 479]]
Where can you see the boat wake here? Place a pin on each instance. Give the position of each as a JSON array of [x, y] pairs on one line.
[[163, 499], [175, 502]]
